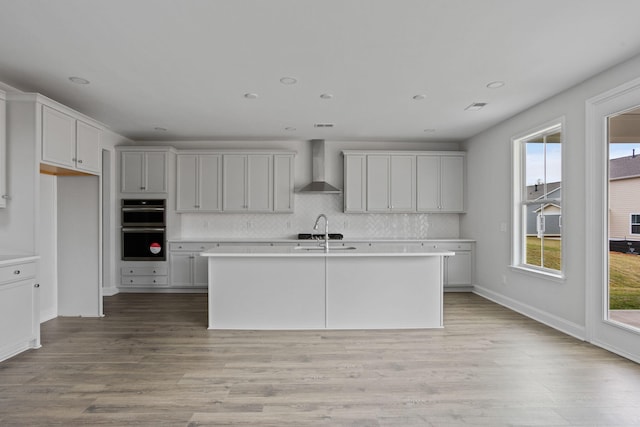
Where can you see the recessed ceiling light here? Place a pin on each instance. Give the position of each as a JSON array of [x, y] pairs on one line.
[[251, 95], [79, 80], [288, 80], [326, 96], [160, 129], [495, 85], [419, 97], [476, 106]]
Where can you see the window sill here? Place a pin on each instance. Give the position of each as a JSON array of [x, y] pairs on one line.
[[541, 274]]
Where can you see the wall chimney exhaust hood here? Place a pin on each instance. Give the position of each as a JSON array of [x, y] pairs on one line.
[[318, 184]]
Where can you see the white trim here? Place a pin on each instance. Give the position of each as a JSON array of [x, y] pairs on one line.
[[597, 109], [551, 320], [518, 188], [540, 273]]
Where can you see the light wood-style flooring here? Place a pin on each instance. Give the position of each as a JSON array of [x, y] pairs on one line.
[[152, 362]]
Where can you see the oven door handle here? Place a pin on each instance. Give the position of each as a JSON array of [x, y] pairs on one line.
[[134, 229], [143, 209]]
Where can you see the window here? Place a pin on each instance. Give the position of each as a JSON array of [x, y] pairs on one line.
[[537, 208], [635, 223]]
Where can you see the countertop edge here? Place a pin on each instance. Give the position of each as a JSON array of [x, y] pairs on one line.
[[17, 259]]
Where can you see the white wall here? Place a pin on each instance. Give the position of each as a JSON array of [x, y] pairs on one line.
[[489, 204], [79, 292], [47, 265]]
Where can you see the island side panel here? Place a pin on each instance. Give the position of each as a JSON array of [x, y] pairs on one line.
[[266, 293], [384, 292]]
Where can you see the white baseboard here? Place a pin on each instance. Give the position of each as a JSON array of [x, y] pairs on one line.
[[110, 291], [48, 315], [551, 320]]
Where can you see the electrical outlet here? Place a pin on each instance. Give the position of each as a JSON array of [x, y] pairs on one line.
[[503, 227]]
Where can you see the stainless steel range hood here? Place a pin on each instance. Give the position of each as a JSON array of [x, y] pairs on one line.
[[318, 184]]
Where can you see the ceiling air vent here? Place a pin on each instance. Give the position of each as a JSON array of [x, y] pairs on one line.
[[323, 125]]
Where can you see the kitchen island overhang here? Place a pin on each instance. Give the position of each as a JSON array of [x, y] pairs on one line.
[[286, 287]]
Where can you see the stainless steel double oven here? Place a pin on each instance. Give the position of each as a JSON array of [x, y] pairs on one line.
[[143, 229]]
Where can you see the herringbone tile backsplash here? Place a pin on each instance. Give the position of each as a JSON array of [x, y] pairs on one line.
[[307, 208]]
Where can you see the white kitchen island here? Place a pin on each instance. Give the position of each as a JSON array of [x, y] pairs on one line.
[[286, 287]]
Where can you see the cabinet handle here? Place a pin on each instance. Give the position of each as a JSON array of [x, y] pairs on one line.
[[73, 159], [197, 206], [16, 272], [79, 161]]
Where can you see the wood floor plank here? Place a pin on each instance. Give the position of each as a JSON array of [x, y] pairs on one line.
[[152, 362]]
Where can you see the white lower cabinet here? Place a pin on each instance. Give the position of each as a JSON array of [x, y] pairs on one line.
[[19, 309], [188, 268], [458, 269], [144, 275]]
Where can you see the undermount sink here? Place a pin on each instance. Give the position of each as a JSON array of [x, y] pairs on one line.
[[320, 248]]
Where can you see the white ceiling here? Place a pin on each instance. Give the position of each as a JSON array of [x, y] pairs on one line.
[[185, 65]]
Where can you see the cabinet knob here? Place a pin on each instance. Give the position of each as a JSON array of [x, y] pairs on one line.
[[197, 206], [37, 285], [154, 281], [6, 197], [130, 271], [143, 188], [16, 272], [79, 161], [154, 272]]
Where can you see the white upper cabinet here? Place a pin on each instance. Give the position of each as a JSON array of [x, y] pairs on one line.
[[88, 147], [247, 183], [355, 183], [199, 183], [283, 181], [440, 183], [257, 182], [69, 142], [403, 181], [391, 183], [3, 151], [143, 171]]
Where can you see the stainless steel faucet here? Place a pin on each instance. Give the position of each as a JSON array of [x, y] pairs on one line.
[[326, 230]]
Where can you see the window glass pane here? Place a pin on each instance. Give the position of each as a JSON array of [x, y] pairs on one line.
[[534, 169], [541, 220]]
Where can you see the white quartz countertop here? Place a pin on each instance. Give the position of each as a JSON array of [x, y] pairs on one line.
[[296, 240], [314, 251], [16, 259]]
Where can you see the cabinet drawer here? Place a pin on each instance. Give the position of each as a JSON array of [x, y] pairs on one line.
[[191, 246], [144, 271], [144, 280], [12, 273]]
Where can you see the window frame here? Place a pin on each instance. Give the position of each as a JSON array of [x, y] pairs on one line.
[[519, 201], [631, 223]]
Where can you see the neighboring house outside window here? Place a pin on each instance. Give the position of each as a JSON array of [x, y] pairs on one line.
[[624, 203], [537, 208]]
